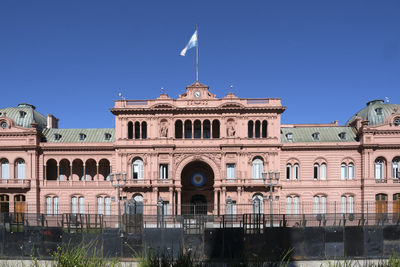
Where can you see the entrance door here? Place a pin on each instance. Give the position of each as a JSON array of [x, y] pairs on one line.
[[198, 205], [19, 208], [4, 204], [396, 206], [381, 207]]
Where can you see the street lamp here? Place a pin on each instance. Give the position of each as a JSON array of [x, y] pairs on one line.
[[118, 180], [271, 184]]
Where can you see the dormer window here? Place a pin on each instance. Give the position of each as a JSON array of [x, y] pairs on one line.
[[378, 111], [396, 121], [57, 136], [315, 136], [342, 136], [289, 136], [82, 136], [4, 125], [22, 114], [107, 136]]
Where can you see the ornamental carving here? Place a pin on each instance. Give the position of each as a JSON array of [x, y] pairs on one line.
[[164, 128]]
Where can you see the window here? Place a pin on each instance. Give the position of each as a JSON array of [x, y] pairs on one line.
[[323, 171], [178, 129], [130, 130], [20, 169], [188, 129], [257, 129], [4, 125], [342, 136], [292, 205], [264, 129], [107, 136], [137, 169], [396, 121], [250, 129], [230, 207], [57, 136], [81, 205], [347, 171], [100, 208], [347, 204], [206, 129], [319, 206], [396, 168], [82, 136], [378, 111], [144, 130], [230, 171], [165, 208], [379, 168], [258, 204], [22, 114], [137, 130], [74, 205], [316, 171], [107, 202], [288, 171], [51, 205], [343, 171], [215, 129], [5, 169], [351, 171], [315, 136], [257, 168], [197, 129], [296, 171], [163, 171], [289, 136]]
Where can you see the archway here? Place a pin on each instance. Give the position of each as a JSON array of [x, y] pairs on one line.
[[197, 180]]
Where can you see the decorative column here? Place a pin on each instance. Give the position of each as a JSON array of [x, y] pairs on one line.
[[171, 197], [71, 174], [84, 172], [215, 201], [201, 129], [12, 170], [222, 201], [97, 172], [178, 192], [58, 171]]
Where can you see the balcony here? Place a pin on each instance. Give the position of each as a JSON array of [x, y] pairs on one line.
[[138, 183], [15, 183], [381, 180]]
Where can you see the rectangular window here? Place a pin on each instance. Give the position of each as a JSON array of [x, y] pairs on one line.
[[48, 206], [316, 205], [351, 171], [21, 171], [288, 171], [344, 205], [288, 206], [296, 204], [323, 204], [81, 205], [230, 171], [350, 204], [316, 171], [296, 172], [55, 205], [166, 208], [323, 172], [343, 172], [108, 205], [163, 171], [100, 205], [74, 208]]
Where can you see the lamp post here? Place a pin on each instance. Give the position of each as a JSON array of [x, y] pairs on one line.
[[271, 185], [118, 180]]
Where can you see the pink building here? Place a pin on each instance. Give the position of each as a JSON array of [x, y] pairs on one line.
[[201, 154]]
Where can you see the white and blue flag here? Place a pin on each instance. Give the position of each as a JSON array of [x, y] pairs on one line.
[[192, 43]]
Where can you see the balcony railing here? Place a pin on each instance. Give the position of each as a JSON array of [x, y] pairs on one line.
[[15, 183], [380, 180]]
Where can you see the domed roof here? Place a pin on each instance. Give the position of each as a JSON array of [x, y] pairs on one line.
[[24, 114], [375, 112]]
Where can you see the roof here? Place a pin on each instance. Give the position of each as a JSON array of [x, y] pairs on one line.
[[370, 112], [326, 134], [30, 115], [73, 135]]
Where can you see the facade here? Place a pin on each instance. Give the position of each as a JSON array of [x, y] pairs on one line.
[[201, 154]]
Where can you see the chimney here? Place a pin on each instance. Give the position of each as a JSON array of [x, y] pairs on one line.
[[52, 122]]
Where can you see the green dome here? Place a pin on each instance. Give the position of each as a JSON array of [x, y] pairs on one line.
[[24, 114], [375, 112]]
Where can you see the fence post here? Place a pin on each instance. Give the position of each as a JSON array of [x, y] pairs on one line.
[[334, 223]]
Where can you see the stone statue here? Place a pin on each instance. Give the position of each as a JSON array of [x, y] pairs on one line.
[[230, 131], [164, 130]]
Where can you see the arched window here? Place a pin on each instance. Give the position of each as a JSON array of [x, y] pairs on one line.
[[323, 171], [144, 130], [257, 168], [351, 171], [319, 204], [347, 171], [5, 169], [178, 129], [379, 168], [206, 129], [396, 168], [264, 129], [197, 129], [343, 171], [130, 130], [316, 171], [250, 126], [139, 206], [296, 171], [188, 129], [257, 129], [104, 205], [288, 171], [215, 129], [74, 205], [52, 205], [20, 168], [137, 169], [258, 204], [137, 130], [81, 205]]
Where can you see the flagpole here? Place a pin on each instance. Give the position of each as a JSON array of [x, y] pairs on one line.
[[197, 54]]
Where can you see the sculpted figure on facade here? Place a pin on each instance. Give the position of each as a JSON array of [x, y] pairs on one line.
[[164, 129], [230, 130]]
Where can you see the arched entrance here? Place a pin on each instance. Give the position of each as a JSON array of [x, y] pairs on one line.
[[197, 188]]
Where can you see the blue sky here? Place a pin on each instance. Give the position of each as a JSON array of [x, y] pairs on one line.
[[325, 59]]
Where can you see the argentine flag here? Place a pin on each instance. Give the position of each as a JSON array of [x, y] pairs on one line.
[[192, 43]]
